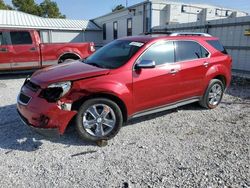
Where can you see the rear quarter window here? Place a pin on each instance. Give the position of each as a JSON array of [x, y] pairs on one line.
[[217, 45]]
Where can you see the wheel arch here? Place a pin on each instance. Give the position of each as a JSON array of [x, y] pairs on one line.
[[222, 78], [76, 105], [67, 55]]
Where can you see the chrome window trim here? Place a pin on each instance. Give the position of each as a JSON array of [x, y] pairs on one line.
[[174, 40]]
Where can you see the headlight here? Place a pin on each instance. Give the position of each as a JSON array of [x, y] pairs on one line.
[[55, 91]]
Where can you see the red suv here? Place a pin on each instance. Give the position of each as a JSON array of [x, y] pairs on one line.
[[127, 78]]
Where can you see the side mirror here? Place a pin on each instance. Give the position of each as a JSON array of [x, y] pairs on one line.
[[145, 64]]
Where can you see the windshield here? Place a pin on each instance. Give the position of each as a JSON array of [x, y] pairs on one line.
[[114, 54]]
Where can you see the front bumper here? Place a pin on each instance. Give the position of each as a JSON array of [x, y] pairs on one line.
[[43, 117], [49, 132]]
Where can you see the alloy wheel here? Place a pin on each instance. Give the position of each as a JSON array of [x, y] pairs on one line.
[[215, 94], [99, 120]]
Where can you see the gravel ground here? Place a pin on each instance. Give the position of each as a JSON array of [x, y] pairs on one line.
[[185, 147]]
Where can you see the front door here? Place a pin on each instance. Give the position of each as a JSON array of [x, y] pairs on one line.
[[157, 86], [25, 53], [5, 58]]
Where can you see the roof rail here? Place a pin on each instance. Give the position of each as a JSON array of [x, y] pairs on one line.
[[190, 34], [157, 32]]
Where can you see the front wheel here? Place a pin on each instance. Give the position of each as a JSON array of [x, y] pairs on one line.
[[213, 94], [98, 119]]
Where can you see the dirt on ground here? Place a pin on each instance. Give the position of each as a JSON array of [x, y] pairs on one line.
[[184, 147]]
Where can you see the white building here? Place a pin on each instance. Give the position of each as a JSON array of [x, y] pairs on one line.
[[140, 18], [52, 30]]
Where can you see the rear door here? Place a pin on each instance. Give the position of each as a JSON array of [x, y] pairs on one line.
[[157, 86], [194, 61], [25, 53], [5, 58]]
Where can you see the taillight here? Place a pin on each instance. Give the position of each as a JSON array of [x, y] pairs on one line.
[[92, 47]]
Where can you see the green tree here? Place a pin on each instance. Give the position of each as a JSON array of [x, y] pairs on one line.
[[3, 6], [49, 9], [28, 6], [118, 7]]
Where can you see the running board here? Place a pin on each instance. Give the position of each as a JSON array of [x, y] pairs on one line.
[[163, 108]]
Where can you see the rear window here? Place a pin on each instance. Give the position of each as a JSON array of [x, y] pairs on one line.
[[217, 45], [20, 37]]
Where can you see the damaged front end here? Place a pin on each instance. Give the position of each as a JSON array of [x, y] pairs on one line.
[[43, 109]]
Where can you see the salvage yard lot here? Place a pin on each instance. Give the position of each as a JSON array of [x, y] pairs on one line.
[[188, 146]]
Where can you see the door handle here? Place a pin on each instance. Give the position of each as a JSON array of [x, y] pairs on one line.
[[33, 49], [206, 64], [174, 71], [3, 50]]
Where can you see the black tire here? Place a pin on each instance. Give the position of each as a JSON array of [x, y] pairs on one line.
[[206, 101], [83, 110]]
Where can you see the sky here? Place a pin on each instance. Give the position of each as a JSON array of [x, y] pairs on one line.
[[89, 9]]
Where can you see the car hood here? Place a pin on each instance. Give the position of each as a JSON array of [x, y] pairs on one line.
[[66, 72]]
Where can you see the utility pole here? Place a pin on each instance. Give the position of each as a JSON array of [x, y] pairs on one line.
[[126, 3]]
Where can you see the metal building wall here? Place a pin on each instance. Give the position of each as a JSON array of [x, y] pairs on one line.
[[135, 12], [231, 32], [93, 36], [60, 36], [164, 12], [45, 36]]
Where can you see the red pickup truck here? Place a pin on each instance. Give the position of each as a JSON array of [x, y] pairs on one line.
[[23, 50]]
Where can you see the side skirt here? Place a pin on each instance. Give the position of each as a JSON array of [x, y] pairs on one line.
[[165, 107]]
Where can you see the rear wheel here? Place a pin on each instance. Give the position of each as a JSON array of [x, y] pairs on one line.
[[67, 58], [213, 94], [98, 119]]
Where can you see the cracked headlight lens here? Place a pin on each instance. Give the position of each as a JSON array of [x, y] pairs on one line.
[[55, 91]]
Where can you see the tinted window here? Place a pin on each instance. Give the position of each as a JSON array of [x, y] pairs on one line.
[[20, 37], [204, 52], [1, 38], [217, 45], [160, 53], [114, 54], [115, 30], [188, 50]]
